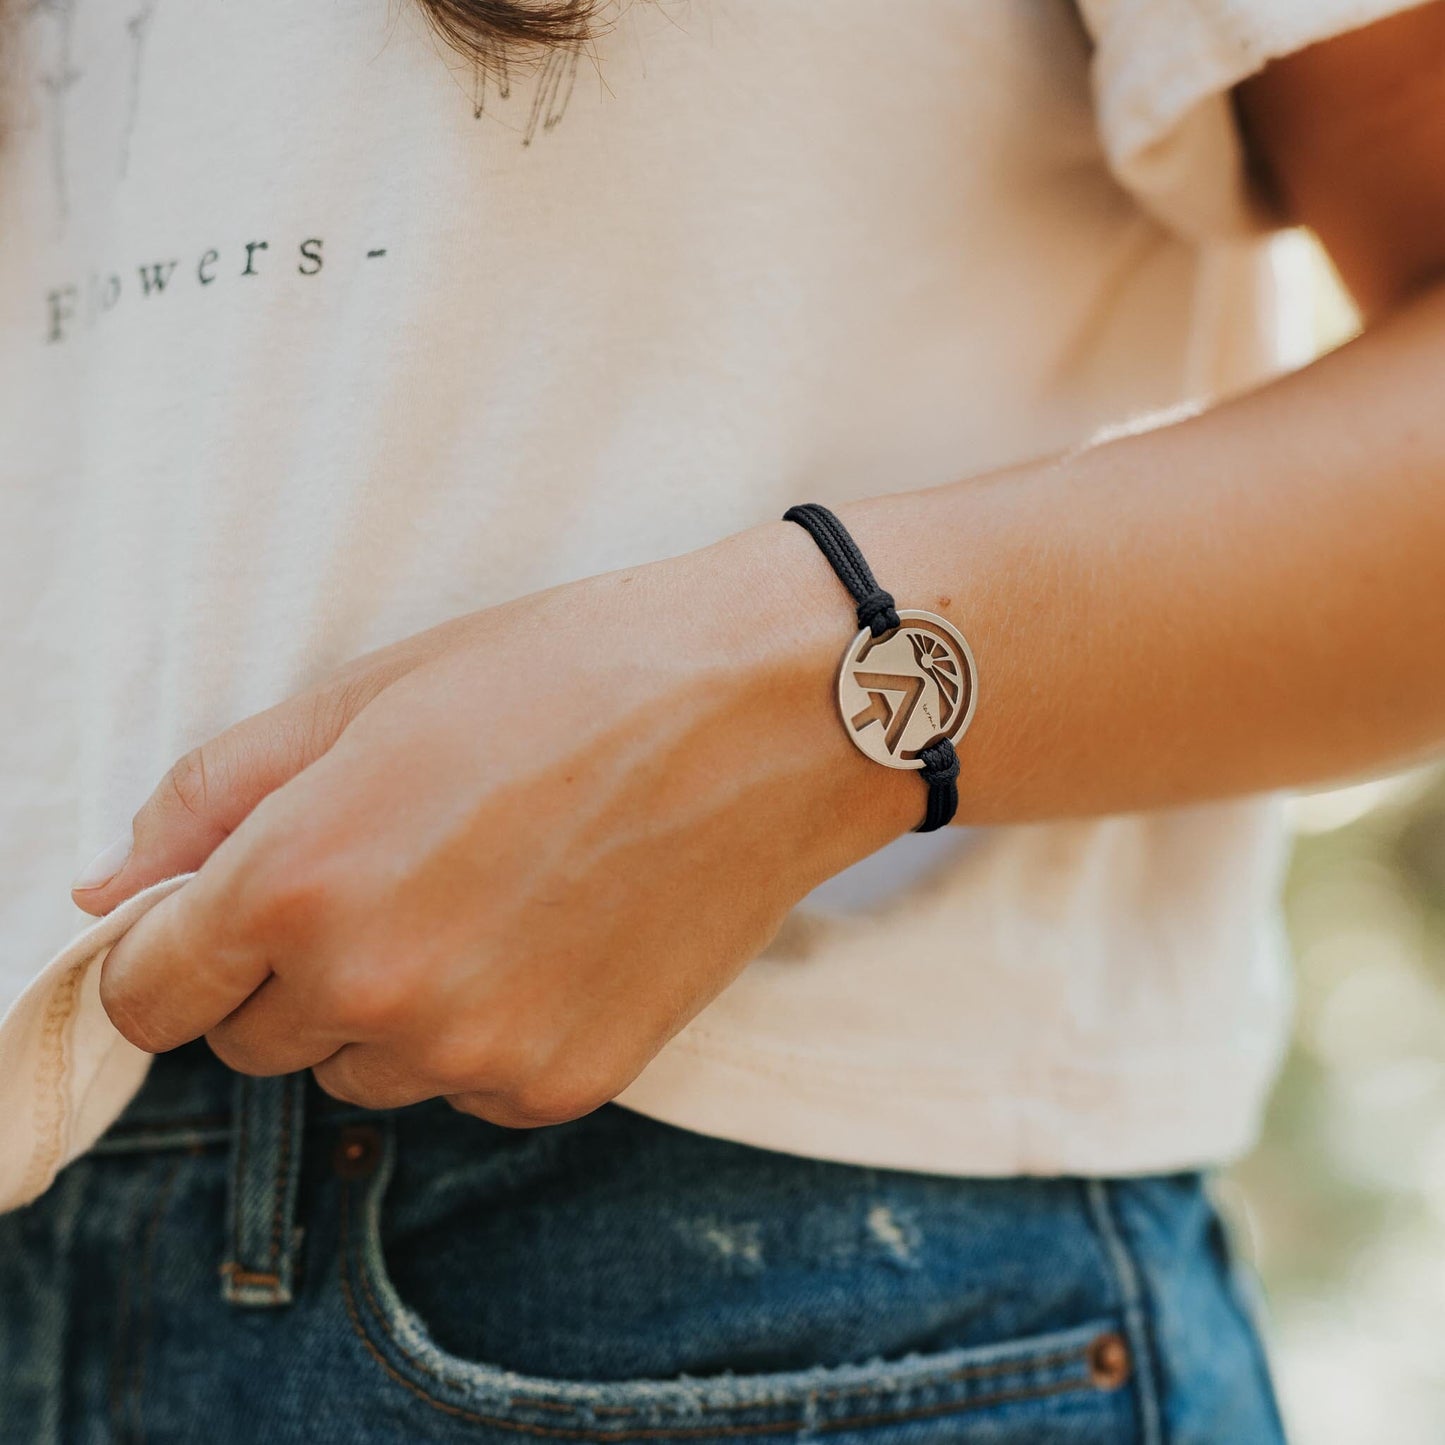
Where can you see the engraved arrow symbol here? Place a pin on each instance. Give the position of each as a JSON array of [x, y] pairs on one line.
[[880, 710]]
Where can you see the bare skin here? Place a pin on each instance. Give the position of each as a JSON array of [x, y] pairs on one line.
[[419, 884]]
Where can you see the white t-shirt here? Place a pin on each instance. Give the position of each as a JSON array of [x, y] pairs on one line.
[[309, 340]]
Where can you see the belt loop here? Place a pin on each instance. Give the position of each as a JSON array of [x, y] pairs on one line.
[[261, 1230]]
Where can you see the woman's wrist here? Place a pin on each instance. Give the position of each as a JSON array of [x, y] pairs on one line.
[[788, 620]]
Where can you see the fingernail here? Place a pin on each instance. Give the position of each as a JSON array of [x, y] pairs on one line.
[[104, 866]]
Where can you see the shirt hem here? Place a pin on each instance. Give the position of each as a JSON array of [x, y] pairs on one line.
[[1088, 1121]]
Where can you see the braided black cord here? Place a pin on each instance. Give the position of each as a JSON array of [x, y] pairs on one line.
[[940, 772], [877, 613]]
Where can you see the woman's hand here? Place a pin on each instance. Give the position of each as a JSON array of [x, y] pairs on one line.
[[506, 860]]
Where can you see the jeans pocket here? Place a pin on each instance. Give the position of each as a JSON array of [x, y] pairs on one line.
[[1066, 1387]]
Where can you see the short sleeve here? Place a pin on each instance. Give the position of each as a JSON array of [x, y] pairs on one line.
[[1162, 75]]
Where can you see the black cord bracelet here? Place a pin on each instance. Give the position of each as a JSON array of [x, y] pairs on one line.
[[908, 685]]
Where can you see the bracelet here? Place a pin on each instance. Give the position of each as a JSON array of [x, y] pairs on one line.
[[908, 684]]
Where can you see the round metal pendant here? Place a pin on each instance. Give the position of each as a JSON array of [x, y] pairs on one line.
[[908, 689]]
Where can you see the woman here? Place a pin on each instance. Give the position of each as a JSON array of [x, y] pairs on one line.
[[399, 434]]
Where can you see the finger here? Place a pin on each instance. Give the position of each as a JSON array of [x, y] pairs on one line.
[[497, 1109], [533, 1108], [273, 1032], [209, 791], [175, 973], [373, 1076]]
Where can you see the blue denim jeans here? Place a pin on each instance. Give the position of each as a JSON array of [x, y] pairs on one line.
[[244, 1260]]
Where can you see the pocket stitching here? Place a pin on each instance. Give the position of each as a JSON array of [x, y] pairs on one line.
[[353, 1264]]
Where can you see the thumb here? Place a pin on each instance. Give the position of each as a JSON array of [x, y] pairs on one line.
[[209, 791]]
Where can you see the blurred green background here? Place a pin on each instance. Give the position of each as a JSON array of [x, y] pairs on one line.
[[1342, 1205]]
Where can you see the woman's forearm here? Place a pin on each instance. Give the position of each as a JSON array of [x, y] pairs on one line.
[[1250, 598]]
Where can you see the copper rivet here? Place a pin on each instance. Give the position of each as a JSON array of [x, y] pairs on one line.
[[357, 1151], [1109, 1361]]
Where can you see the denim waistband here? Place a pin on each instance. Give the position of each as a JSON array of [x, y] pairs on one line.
[[425, 1275]]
